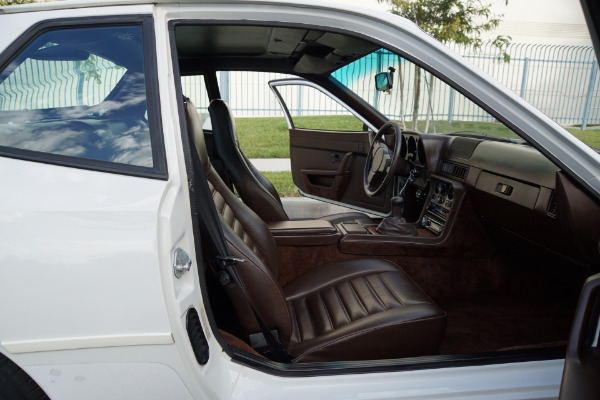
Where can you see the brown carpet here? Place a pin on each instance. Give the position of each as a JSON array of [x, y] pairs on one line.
[[483, 324]]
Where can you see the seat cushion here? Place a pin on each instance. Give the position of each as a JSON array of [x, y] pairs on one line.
[[361, 310]]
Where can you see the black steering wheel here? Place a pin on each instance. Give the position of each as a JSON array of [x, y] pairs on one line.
[[382, 161]]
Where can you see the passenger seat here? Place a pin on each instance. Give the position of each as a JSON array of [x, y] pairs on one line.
[[351, 310]]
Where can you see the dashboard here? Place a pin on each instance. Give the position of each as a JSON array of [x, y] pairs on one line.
[[512, 187]]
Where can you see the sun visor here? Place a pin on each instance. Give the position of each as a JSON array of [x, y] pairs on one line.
[[347, 45], [308, 64]]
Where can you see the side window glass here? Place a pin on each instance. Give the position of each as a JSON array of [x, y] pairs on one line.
[[310, 108], [81, 93]]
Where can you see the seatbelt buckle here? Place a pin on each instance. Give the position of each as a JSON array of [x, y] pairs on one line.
[[224, 278], [259, 343], [222, 263]]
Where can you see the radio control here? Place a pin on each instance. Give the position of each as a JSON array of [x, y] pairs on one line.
[[439, 206]]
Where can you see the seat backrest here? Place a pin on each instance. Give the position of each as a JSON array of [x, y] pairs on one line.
[[254, 189], [249, 238]]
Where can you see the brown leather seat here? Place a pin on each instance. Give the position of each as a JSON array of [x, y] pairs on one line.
[[350, 310], [255, 190]]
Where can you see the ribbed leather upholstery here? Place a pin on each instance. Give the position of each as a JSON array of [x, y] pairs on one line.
[[351, 310], [255, 190], [362, 304], [340, 304], [228, 216], [346, 301]]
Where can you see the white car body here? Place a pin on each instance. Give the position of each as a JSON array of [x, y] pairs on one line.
[[89, 305]]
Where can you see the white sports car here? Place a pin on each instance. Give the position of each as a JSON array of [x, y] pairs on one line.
[[143, 256]]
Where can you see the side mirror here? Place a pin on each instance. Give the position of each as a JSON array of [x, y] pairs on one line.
[[383, 82]]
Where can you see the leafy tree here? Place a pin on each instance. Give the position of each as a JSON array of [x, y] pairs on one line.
[[459, 21], [15, 2]]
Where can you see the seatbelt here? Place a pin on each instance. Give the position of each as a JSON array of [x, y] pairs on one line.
[[224, 263], [227, 274]]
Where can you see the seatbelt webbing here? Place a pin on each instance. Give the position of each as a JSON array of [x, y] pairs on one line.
[[277, 352], [225, 263]]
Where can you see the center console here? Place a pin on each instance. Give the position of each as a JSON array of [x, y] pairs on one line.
[[443, 230], [432, 228], [438, 206]]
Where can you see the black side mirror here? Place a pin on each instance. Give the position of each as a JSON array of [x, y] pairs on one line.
[[384, 81]]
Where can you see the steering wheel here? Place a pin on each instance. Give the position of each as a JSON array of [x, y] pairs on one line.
[[382, 161]]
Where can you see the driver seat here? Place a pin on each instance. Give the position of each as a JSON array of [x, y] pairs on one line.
[[256, 191]]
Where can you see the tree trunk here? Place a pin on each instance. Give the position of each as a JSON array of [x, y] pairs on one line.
[[401, 80], [429, 105], [417, 97]]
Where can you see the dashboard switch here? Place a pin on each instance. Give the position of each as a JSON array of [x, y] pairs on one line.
[[504, 189]]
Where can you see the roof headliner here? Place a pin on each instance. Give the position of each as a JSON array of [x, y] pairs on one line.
[[298, 51]]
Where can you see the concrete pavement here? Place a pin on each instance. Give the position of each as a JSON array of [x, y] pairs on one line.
[[271, 164]]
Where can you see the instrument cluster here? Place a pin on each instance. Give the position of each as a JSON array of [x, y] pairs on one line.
[[413, 150]]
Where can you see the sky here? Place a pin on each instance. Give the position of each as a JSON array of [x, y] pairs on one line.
[[527, 21]]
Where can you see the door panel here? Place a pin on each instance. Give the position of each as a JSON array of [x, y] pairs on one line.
[[330, 165], [582, 365], [329, 151]]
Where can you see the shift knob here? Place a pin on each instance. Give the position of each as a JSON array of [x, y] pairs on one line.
[[397, 207]]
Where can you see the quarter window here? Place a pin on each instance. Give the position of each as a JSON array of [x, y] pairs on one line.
[[81, 93]]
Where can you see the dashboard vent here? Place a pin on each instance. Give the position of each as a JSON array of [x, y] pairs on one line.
[[551, 209], [455, 170]]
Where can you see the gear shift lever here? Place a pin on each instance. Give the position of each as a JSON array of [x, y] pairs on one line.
[[396, 225], [398, 206]]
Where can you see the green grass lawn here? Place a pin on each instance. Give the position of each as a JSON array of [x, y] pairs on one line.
[[590, 137], [269, 138], [283, 183], [263, 137]]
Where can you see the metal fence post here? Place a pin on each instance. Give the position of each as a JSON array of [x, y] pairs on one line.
[[224, 85], [588, 100], [300, 100], [80, 79], [524, 80]]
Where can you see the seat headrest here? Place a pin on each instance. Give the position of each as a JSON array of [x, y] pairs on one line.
[[222, 116], [194, 126]]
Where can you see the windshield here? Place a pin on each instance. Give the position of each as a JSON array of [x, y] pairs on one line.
[[421, 102]]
